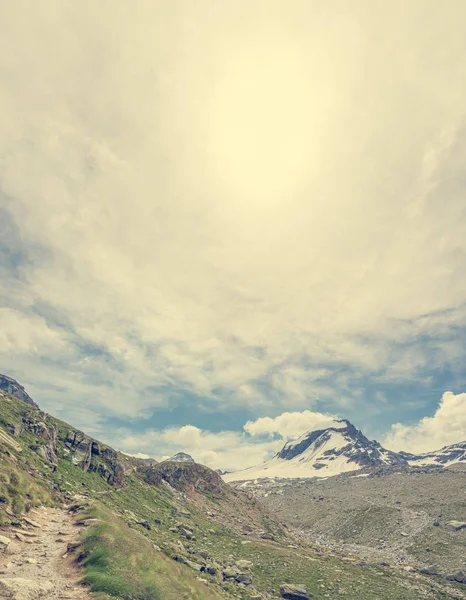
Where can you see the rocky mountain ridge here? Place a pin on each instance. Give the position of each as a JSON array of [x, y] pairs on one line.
[[341, 448], [336, 449], [11, 386], [181, 457], [445, 457]]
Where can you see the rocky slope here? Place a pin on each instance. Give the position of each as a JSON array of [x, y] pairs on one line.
[[10, 386], [322, 453], [399, 515]]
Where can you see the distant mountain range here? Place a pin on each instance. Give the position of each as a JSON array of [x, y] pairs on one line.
[[445, 457], [337, 449]]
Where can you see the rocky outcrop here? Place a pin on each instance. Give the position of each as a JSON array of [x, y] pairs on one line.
[[89, 455], [11, 386], [291, 591], [186, 477]]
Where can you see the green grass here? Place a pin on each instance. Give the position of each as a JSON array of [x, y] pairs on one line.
[[119, 562], [19, 491]]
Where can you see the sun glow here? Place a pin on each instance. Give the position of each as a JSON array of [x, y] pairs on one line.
[[264, 123]]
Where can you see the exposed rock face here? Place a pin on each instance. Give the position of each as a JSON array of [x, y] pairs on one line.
[[11, 386], [90, 456], [186, 476], [181, 457]]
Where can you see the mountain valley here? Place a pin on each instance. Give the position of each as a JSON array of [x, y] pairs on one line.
[[176, 529]]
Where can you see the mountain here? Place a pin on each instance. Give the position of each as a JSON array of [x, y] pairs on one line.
[[11, 386], [176, 530], [323, 453], [445, 457], [181, 457]]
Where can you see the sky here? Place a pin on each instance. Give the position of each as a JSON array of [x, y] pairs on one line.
[[223, 223]]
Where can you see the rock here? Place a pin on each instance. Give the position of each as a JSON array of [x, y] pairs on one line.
[[180, 559], [456, 525], [185, 532], [244, 564], [88, 522], [291, 591], [243, 578], [4, 543], [460, 577], [436, 524], [24, 589], [429, 571], [11, 386], [404, 534], [144, 524], [266, 536], [156, 548], [230, 573], [31, 523]]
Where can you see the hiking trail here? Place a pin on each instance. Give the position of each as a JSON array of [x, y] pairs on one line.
[[35, 564]]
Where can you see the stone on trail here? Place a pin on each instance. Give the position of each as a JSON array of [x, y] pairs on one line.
[[31, 523], [4, 543], [291, 591], [456, 525], [24, 589]]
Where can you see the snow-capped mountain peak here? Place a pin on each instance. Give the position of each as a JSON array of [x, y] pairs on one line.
[[338, 448], [446, 456]]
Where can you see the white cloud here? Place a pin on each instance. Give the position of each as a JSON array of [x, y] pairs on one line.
[[228, 450], [289, 424], [215, 193], [447, 426]]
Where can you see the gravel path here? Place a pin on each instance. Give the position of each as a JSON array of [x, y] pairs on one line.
[[36, 565]]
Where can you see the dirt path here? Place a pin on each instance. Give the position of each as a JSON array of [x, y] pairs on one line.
[[35, 564]]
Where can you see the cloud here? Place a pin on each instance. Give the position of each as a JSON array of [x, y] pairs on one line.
[[289, 425], [228, 450], [447, 426], [233, 200]]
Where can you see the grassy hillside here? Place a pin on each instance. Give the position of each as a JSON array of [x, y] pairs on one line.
[[172, 531]]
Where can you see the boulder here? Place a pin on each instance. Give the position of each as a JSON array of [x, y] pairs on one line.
[[243, 578], [460, 577], [456, 525], [291, 591], [429, 571], [185, 532], [4, 543], [230, 573]]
